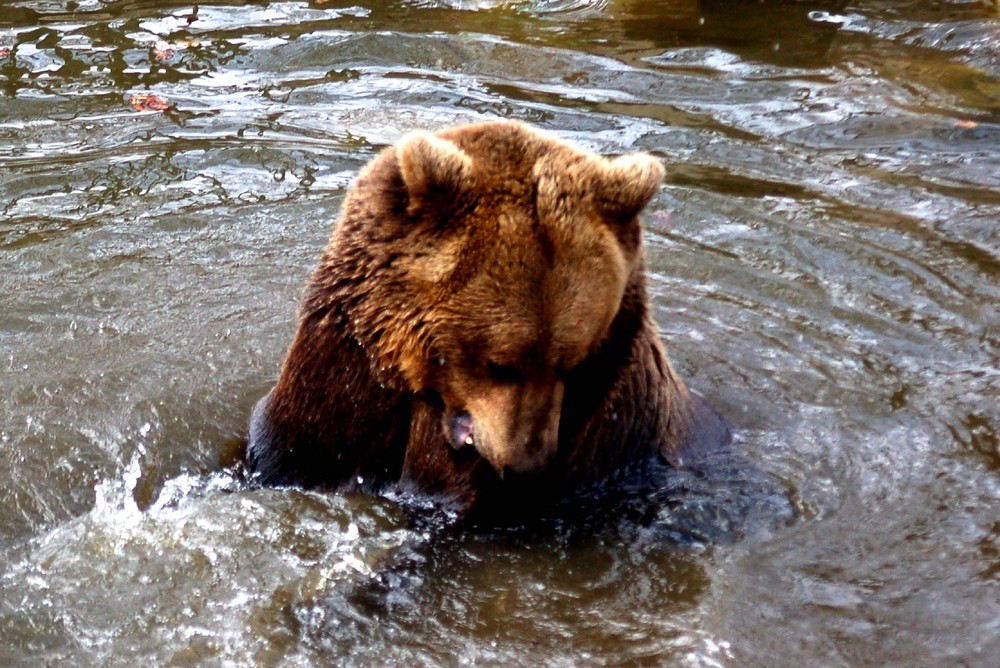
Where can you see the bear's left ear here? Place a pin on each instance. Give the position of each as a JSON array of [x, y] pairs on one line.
[[627, 184], [435, 171]]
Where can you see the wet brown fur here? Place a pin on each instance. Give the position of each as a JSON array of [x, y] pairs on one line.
[[492, 269]]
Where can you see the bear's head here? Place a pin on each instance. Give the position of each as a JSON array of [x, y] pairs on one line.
[[488, 262]]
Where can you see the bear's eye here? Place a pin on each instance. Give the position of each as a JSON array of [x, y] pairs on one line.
[[504, 373]]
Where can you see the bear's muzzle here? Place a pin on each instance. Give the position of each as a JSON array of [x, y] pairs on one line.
[[513, 426]]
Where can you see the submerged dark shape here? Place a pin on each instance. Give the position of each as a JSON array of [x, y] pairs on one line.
[[478, 331]]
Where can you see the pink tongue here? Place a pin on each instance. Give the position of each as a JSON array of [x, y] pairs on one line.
[[461, 431]]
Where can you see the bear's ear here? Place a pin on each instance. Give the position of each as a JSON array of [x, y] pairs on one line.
[[435, 171], [627, 184]]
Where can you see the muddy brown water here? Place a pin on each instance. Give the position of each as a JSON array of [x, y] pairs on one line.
[[825, 266]]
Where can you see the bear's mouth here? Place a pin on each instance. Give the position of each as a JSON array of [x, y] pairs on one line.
[[461, 430]]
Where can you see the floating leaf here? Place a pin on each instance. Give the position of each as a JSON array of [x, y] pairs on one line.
[[148, 102], [4, 51], [966, 125]]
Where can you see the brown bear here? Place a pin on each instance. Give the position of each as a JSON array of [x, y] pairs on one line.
[[478, 330]]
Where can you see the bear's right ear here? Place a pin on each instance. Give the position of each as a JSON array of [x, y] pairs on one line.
[[628, 183], [436, 171]]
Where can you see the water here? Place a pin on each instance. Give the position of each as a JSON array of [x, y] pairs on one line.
[[825, 269]]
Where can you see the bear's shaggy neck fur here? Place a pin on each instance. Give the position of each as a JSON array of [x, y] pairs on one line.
[[359, 402]]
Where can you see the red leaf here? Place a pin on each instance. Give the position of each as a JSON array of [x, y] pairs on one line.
[[147, 102]]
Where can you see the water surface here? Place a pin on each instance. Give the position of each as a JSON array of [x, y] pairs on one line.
[[824, 266]]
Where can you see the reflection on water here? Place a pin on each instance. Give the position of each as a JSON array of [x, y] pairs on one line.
[[824, 264]]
